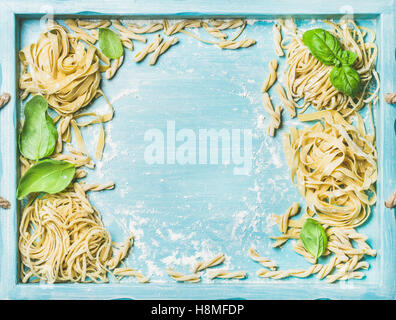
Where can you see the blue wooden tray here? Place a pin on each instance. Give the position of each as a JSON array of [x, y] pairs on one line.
[[181, 213]]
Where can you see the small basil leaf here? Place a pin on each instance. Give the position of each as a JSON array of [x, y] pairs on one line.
[[345, 79], [313, 237], [38, 137], [110, 43], [50, 176], [348, 57], [323, 45]]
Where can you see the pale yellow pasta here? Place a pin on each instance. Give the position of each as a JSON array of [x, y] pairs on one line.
[[292, 233], [231, 44], [179, 26], [62, 239], [150, 28], [275, 119], [262, 260], [93, 24], [272, 76], [309, 79], [335, 166], [164, 46], [281, 274], [126, 32], [277, 36], [151, 47], [289, 104], [80, 33], [225, 274], [284, 219], [222, 25], [213, 31], [115, 65], [193, 278], [4, 98], [219, 259], [129, 272]]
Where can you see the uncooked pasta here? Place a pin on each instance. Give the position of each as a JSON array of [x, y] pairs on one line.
[[149, 28], [226, 274], [272, 76], [219, 259], [307, 78], [262, 260], [129, 272], [164, 46], [178, 26], [231, 44], [223, 25], [115, 65], [336, 166], [289, 104], [4, 98], [213, 31], [275, 119], [193, 278], [151, 47], [62, 239], [277, 40]]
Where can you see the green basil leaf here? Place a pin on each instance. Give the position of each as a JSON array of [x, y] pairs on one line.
[[49, 176], [110, 43], [38, 137], [348, 57], [313, 237], [345, 79], [323, 45]]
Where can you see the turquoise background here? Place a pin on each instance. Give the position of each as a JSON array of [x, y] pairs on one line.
[[183, 213]]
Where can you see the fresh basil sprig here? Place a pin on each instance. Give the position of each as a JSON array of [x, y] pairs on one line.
[[110, 43], [313, 237], [327, 49], [50, 176], [38, 137]]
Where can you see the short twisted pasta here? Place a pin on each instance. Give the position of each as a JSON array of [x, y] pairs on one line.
[[164, 46], [277, 40], [275, 114], [225, 274], [231, 44], [193, 278], [129, 272], [272, 76], [208, 264], [148, 49], [289, 104], [262, 260]]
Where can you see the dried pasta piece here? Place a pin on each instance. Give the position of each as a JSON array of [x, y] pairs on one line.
[[262, 260], [93, 24], [81, 34], [126, 32], [150, 28], [225, 274], [390, 203], [284, 219], [289, 104], [4, 98], [193, 278], [151, 47], [129, 272], [115, 65], [236, 44], [97, 186], [222, 25], [213, 31], [277, 40], [122, 252], [271, 78], [164, 46], [208, 264], [281, 274], [179, 26], [292, 233], [275, 114], [299, 248], [4, 203], [390, 98]]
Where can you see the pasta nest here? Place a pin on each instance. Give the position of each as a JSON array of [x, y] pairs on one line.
[[335, 166], [63, 239], [62, 69]]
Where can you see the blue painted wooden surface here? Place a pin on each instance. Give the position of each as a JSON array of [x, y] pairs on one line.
[[182, 213]]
